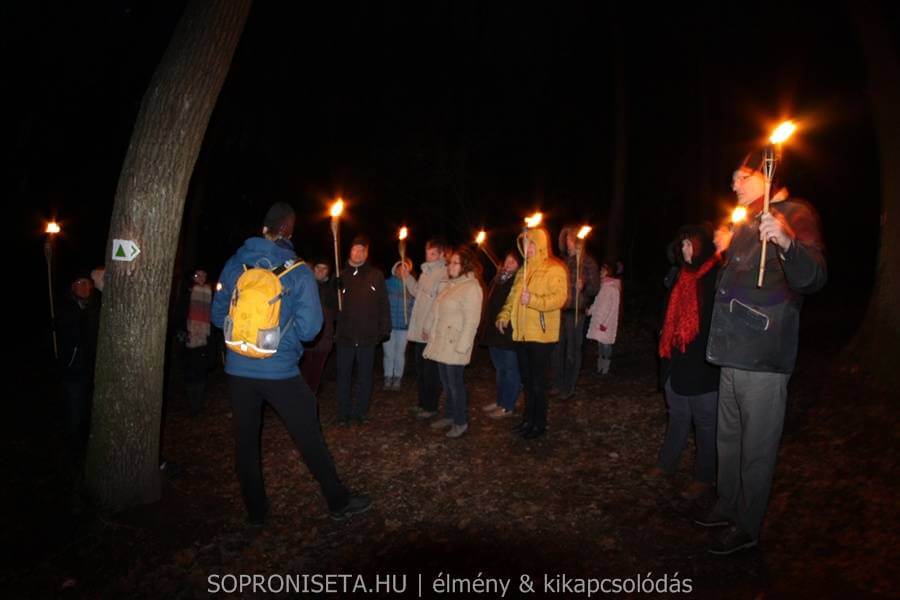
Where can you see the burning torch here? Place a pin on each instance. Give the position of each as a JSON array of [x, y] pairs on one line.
[[402, 237], [51, 231], [480, 242], [771, 156], [336, 209], [579, 250]]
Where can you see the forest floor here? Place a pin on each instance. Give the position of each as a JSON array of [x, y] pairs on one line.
[[487, 506]]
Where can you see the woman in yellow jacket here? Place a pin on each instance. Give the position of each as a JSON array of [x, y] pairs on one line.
[[532, 309]]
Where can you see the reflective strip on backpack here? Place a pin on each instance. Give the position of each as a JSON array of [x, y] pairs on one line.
[[245, 345]]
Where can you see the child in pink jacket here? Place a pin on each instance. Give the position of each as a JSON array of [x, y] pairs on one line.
[[604, 314]]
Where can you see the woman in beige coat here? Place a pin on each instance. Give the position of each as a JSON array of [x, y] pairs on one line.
[[450, 333]]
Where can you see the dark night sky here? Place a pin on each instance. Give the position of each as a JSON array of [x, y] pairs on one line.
[[451, 115]]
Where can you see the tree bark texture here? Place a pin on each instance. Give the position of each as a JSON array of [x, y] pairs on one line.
[[123, 452], [878, 339]]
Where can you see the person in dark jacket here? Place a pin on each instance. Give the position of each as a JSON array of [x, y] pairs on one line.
[[276, 380], [363, 322], [78, 322], [316, 352], [500, 345], [691, 384], [753, 336], [568, 351]]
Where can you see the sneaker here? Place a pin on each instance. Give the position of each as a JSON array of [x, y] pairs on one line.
[[426, 414], [398, 384], [388, 384], [712, 519], [490, 407], [731, 540], [457, 430], [500, 413], [355, 506], [442, 423], [696, 489]]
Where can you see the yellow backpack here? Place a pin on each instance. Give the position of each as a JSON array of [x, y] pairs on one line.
[[252, 325]]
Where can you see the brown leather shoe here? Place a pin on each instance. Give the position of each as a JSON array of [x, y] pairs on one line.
[[695, 490]]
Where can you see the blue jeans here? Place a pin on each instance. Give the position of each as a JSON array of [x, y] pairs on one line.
[[683, 410], [508, 381], [452, 380], [395, 354]]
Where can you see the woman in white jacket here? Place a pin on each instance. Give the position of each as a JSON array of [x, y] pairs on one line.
[[605, 317], [450, 329]]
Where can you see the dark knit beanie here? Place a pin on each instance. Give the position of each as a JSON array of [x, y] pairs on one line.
[[361, 239], [278, 215]]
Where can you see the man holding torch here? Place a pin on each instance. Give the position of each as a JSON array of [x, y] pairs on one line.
[[753, 337], [584, 283]]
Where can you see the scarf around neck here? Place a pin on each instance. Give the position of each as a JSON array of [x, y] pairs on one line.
[[682, 323]]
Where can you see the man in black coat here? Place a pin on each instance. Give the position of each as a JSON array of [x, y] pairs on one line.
[[364, 321], [753, 337]]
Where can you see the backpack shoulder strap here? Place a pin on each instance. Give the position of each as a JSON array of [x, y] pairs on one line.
[[283, 270]]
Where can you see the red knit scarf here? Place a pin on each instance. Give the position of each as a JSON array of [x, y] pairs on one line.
[[682, 322]]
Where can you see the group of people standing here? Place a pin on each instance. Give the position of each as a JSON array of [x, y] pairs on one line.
[[727, 344]]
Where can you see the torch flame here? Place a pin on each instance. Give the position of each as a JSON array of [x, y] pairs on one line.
[[337, 208], [783, 132], [52, 227], [403, 233], [584, 231], [738, 214], [479, 239], [219, 286], [534, 220]]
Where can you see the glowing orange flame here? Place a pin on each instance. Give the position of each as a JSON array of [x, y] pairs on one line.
[[534, 220], [479, 239], [584, 231], [783, 132], [219, 286], [52, 228], [403, 233], [739, 214], [337, 208]]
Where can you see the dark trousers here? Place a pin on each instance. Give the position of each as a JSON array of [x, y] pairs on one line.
[[312, 364], [77, 394], [748, 433], [699, 410], [427, 378], [534, 360], [456, 407], [364, 357], [567, 353], [296, 405]]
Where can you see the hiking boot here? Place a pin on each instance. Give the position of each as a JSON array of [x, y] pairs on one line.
[[712, 519], [457, 430], [355, 505], [731, 540], [534, 432], [521, 427], [696, 489], [500, 413], [490, 407], [442, 423]]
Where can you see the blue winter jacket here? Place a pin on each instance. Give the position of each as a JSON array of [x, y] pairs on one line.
[[395, 296], [300, 305]]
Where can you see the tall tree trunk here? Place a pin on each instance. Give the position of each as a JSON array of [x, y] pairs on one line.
[[877, 341], [617, 205], [123, 462]]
